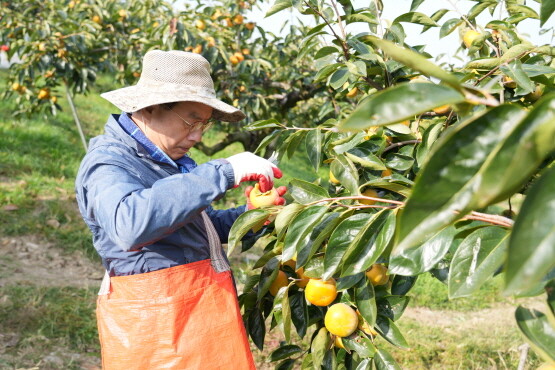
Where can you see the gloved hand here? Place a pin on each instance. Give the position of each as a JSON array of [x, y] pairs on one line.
[[278, 202], [250, 167]]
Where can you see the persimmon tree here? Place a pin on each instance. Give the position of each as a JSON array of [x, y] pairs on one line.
[[459, 166], [60, 47]]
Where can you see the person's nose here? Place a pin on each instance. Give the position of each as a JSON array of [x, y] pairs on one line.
[[195, 134]]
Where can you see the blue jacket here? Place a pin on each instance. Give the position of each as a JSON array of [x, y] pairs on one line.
[[144, 214]]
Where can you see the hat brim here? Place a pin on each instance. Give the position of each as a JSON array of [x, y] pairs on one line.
[[134, 98]]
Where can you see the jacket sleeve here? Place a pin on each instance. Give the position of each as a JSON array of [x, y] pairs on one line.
[[134, 216], [224, 219]]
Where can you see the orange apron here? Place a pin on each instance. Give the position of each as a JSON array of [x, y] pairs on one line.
[[183, 317]]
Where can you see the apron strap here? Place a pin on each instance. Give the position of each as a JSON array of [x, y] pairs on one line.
[[218, 260]]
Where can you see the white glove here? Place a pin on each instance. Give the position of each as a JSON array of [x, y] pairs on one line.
[[250, 167]]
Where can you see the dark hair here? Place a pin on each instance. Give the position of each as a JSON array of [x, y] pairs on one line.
[[169, 106]]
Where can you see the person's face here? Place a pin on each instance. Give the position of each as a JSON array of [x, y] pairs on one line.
[[169, 132]]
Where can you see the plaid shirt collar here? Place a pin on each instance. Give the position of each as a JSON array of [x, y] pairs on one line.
[[185, 163]]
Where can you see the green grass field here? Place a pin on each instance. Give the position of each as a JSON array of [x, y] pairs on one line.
[[39, 158]]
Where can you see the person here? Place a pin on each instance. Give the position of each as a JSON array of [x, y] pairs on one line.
[[168, 299]]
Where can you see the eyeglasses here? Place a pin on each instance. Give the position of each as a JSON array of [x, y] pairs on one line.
[[204, 126]]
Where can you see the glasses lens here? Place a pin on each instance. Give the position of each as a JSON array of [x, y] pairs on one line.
[[207, 126]]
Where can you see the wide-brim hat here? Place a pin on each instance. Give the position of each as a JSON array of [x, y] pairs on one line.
[[173, 76]]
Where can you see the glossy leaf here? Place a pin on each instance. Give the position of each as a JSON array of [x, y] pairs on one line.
[[477, 258], [286, 313], [366, 301], [435, 17], [387, 328], [365, 158], [449, 26], [319, 347], [339, 77], [401, 285], [360, 344], [340, 240], [305, 192], [288, 364], [267, 277], [314, 148], [384, 361], [243, 224], [345, 171], [284, 352], [278, 6], [299, 313], [392, 306], [285, 216], [347, 282], [422, 258], [550, 290], [399, 103], [445, 188], [369, 245], [547, 8], [515, 71], [531, 253], [415, 61], [392, 183], [537, 331], [417, 18], [256, 328], [300, 228], [321, 232]]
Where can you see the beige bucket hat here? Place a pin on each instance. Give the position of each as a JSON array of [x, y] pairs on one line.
[[173, 76]]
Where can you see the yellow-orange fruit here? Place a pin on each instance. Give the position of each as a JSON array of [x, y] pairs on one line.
[[234, 60], [250, 25], [377, 274], [387, 172], [238, 19], [443, 109], [352, 93], [304, 279], [246, 51], [338, 342], [341, 320], [43, 94], [369, 193], [259, 199], [200, 24], [197, 49], [333, 179], [319, 292], [364, 326], [279, 282], [239, 56], [96, 19], [469, 37]]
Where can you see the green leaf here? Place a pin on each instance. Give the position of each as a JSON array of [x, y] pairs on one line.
[[360, 344], [345, 171], [533, 70], [393, 306], [307, 362], [509, 55], [339, 77], [537, 331], [522, 10], [326, 50], [364, 51], [435, 17], [387, 328], [531, 253], [299, 312], [399, 103], [415, 61], [515, 71], [321, 232], [348, 282], [286, 312], [278, 6], [305, 192], [550, 290], [384, 361], [286, 365], [244, 223], [258, 125], [284, 352], [369, 244], [415, 4], [267, 277], [478, 257], [319, 347], [445, 188], [365, 300], [285, 216], [326, 71], [340, 240], [314, 148], [416, 17], [417, 260], [300, 228], [392, 183], [361, 17], [547, 8], [365, 158], [449, 26], [256, 328], [402, 284]]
